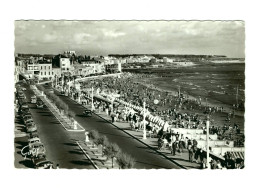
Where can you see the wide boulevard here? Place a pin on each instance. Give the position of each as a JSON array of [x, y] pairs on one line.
[[62, 149]]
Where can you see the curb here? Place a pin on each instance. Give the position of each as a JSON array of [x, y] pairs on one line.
[[87, 155]]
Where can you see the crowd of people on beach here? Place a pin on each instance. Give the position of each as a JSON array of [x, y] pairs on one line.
[[177, 110]]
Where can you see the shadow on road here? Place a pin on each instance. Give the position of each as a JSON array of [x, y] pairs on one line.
[[27, 163], [54, 122], [19, 121], [81, 162], [21, 143], [76, 152], [70, 144], [105, 133], [163, 167], [47, 115]]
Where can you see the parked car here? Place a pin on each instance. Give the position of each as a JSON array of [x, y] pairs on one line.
[[25, 111], [22, 102], [39, 104], [44, 164], [33, 135], [28, 121], [36, 149], [33, 99], [31, 128], [39, 158], [27, 118], [33, 140]]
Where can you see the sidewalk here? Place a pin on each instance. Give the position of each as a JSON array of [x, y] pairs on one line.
[[182, 159]]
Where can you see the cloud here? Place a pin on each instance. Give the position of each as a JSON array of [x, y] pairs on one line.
[[81, 38], [197, 37], [49, 38], [113, 34]]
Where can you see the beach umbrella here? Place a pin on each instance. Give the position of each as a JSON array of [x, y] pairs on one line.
[[156, 101]]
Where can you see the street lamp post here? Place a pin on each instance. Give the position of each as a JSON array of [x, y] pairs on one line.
[[87, 137], [55, 81], [92, 104], [207, 125], [112, 104], [144, 135]]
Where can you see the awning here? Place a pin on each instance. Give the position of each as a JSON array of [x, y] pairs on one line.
[[238, 154]]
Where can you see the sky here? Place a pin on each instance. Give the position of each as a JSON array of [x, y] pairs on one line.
[[131, 37]]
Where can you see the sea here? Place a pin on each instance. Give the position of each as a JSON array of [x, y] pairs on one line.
[[215, 83]]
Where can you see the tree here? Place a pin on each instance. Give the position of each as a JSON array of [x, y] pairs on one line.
[[71, 114], [111, 151], [59, 105], [125, 161], [93, 135], [103, 141]]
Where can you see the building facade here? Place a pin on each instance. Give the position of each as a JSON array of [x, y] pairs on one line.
[[45, 70]]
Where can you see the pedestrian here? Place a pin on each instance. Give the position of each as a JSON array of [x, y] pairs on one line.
[[174, 147], [160, 143], [190, 150], [112, 118]]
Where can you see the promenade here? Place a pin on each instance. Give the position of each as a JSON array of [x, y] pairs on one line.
[[181, 159]]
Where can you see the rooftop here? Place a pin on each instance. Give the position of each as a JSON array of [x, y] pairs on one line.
[[44, 62]]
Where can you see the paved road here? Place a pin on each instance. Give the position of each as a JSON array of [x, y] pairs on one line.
[[146, 158], [60, 144]]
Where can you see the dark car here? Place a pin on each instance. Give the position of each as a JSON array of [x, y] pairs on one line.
[[31, 128], [44, 164], [25, 110], [39, 104], [28, 121], [27, 118], [40, 162], [39, 158], [36, 148], [33, 135], [87, 113]]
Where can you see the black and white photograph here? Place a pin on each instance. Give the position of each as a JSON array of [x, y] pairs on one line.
[[129, 94]]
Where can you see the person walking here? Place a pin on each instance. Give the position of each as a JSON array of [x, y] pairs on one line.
[[174, 147], [190, 150]]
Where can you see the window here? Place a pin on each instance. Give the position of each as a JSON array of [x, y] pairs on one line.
[[45, 67], [52, 73], [41, 67], [49, 67], [41, 73], [49, 73], [45, 73]]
